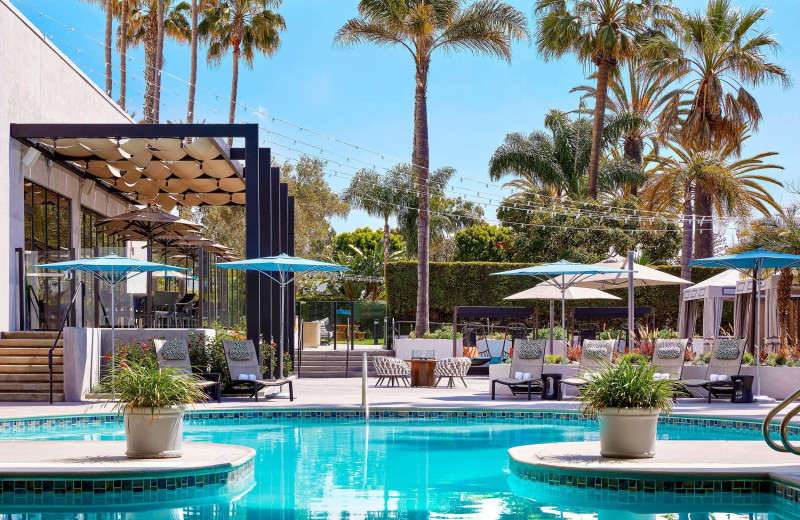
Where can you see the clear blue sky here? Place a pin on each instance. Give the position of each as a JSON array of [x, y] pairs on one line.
[[364, 95]]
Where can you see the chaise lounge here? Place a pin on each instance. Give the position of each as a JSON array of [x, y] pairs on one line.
[[175, 353], [245, 371], [726, 361], [595, 354], [527, 361]]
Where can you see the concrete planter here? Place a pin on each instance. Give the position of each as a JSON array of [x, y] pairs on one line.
[[628, 433], [443, 348], [153, 433]]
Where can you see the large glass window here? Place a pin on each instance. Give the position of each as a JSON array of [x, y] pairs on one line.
[[94, 242], [47, 240]]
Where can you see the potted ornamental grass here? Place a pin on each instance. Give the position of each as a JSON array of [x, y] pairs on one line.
[[151, 400], [628, 400]]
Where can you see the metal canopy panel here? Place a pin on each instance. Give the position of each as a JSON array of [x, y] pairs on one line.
[[588, 313], [166, 171]]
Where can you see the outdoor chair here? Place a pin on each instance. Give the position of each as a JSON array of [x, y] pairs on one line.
[[726, 361], [668, 355], [175, 353], [470, 334], [527, 361], [164, 307], [392, 370], [183, 309], [451, 368], [245, 370], [517, 332], [326, 331], [595, 355]]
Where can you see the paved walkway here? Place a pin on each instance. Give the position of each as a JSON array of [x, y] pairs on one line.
[[346, 393]]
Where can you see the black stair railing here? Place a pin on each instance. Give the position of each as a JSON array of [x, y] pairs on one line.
[[80, 290]]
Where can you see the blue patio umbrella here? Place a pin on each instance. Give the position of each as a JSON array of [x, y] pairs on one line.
[[563, 275], [752, 264], [113, 270], [283, 269]]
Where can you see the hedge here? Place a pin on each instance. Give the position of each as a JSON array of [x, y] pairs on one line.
[[469, 283]]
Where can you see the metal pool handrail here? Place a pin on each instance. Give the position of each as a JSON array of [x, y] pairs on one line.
[[787, 447]]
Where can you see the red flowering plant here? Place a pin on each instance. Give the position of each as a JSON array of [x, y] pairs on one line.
[[574, 353], [135, 351], [206, 352]]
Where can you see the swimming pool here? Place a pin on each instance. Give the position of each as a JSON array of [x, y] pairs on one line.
[[409, 468]]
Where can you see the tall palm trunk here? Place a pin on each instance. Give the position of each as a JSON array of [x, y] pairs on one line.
[[159, 60], [421, 156], [599, 122], [123, 51], [385, 242], [704, 232], [632, 149], [150, 53], [109, 27], [193, 65], [686, 244], [234, 84]]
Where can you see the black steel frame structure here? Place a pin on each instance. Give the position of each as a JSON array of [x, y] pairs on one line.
[[269, 211]]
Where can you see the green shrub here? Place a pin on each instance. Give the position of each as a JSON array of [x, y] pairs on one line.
[[206, 353], [610, 334], [553, 359], [705, 358], [624, 385], [558, 333], [666, 334], [748, 359], [470, 283], [143, 384], [634, 359], [446, 332]]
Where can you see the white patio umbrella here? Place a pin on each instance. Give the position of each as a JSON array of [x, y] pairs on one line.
[[637, 276], [562, 275], [548, 291]]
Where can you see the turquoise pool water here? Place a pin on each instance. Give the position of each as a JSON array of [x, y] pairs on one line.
[[405, 469]]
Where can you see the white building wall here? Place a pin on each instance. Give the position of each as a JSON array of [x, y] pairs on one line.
[[38, 84]]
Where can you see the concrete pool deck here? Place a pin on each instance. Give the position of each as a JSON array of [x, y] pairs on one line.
[[346, 393]]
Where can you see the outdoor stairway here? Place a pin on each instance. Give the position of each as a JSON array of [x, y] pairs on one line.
[[333, 363], [24, 374]]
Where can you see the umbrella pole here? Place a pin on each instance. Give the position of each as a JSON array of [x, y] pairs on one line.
[[563, 321], [283, 319], [113, 341], [631, 317], [552, 325]]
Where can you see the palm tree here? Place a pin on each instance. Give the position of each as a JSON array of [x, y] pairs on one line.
[[379, 196], [108, 7], [143, 28], [601, 32], [422, 27], [635, 102], [557, 164], [736, 190], [197, 5], [160, 29], [122, 45], [715, 54], [242, 27]]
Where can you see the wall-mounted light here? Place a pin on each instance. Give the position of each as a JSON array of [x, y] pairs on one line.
[[30, 157]]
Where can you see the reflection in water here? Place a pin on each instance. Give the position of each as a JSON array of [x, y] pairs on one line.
[[322, 469]]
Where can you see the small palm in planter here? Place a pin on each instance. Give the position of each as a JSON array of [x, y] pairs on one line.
[[151, 400], [627, 399]]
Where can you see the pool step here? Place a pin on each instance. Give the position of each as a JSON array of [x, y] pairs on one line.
[[334, 364], [24, 371]]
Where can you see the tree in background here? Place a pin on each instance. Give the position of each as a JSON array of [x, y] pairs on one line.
[[714, 54], [484, 243], [315, 205], [601, 32], [379, 195], [422, 27], [585, 231], [368, 241], [197, 6], [143, 28], [243, 28], [557, 163]]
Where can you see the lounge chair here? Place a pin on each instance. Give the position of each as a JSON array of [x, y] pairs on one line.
[[470, 334], [516, 332], [245, 370], [726, 361], [392, 370], [451, 368], [668, 357], [595, 354], [175, 353], [527, 361]]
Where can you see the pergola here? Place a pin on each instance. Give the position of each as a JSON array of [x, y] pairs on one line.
[[185, 164]]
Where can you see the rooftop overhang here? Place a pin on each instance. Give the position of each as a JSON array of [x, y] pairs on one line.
[[161, 164]]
